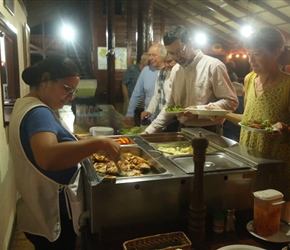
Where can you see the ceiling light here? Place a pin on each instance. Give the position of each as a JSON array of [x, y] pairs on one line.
[[246, 31], [200, 39], [67, 33]]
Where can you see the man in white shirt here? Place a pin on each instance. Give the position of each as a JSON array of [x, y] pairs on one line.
[[197, 79], [146, 81], [161, 94]]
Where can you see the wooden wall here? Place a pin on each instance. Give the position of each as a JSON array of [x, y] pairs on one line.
[[125, 36]]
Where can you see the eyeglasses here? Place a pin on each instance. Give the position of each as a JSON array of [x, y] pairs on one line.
[[68, 89], [178, 52]]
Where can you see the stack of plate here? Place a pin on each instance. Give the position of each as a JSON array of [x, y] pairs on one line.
[[101, 131]]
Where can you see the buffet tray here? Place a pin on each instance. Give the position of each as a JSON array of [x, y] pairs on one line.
[[117, 138], [217, 161], [156, 168], [177, 148], [165, 137]]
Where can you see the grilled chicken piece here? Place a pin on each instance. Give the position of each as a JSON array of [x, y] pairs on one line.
[[132, 165], [106, 168], [143, 167], [134, 172], [99, 158], [138, 160]]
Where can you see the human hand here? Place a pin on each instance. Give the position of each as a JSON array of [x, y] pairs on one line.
[[129, 121], [189, 115], [145, 114], [79, 137], [282, 127], [112, 148]]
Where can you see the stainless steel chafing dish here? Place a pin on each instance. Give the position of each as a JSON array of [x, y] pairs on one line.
[[166, 137], [165, 196], [218, 161]]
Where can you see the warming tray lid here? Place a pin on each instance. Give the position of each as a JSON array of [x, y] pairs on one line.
[[214, 162], [165, 137]]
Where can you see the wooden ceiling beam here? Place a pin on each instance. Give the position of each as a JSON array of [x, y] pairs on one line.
[[208, 16], [275, 12], [215, 32], [260, 20]]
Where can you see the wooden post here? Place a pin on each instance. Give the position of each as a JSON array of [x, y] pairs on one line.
[[111, 88], [197, 209]]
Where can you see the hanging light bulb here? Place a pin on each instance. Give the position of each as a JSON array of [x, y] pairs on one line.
[[67, 33], [246, 31], [200, 38]]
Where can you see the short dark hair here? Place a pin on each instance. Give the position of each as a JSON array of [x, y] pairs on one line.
[[174, 33], [269, 38], [58, 66]]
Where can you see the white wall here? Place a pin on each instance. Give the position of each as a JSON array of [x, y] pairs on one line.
[[8, 194]]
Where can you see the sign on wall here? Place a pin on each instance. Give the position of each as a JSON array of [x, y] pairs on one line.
[[120, 58]]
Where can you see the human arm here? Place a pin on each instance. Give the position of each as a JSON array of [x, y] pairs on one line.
[[52, 155], [223, 89], [234, 118], [153, 103], [145, 114], [137, 92], [49, 145], [162, 118], [125, 92]]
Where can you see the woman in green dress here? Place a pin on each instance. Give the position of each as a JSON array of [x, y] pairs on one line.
[[267, 98]]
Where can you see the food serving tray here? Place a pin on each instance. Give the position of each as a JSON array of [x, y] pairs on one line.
[[156, 168], [118, 138], [177, 148], [165, 137], [218, 161]]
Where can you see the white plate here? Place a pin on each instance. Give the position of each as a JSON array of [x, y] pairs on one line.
[[174, 112], [283, 235], [240, 247], [203, 110], [257, 130]]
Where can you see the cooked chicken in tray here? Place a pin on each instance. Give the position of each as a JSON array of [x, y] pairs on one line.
[[129, 165]]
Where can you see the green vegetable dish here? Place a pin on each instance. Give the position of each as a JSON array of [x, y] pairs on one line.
[[132, 131], [175, 108], [266, 125]]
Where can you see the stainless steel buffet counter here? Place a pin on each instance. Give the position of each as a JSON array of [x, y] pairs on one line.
[[229, 181], [231, 174]]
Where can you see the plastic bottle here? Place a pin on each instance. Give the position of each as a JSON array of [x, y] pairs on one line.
[[230, 220], [218, 222]]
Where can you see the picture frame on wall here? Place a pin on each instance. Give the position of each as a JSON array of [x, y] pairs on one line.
[[9, 5]]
